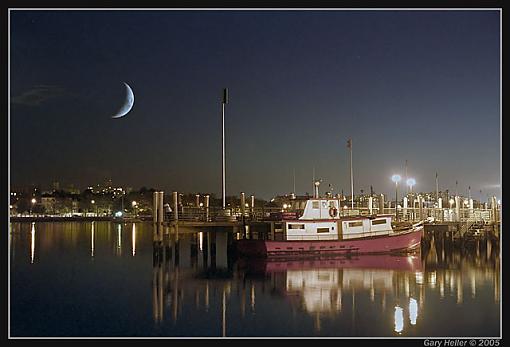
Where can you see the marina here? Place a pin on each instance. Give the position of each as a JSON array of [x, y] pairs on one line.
[[459, 225]]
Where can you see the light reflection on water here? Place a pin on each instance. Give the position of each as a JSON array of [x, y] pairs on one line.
[[74, 280]]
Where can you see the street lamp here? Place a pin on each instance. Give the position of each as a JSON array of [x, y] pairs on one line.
[[411, 182], [33, 203], [396, 179], [93, 204], [133, 204]]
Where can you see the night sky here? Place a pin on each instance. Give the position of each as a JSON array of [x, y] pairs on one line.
[[417, 85]]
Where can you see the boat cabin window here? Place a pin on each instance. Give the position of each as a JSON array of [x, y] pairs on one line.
[[355, 224], [378, 221], [315, 204], [322, 230], [324, 204], [331, 204], [296, 226]]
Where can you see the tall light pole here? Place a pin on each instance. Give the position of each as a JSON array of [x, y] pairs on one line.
[[224, 102], [407, 191], [396, 179], [437, 188], [410, 183], [349, 145]]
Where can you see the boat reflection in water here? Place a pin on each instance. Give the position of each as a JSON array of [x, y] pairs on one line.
[[367, 295], [323, 287]]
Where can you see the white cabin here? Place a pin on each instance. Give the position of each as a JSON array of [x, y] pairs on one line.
[[321, 221], [321, 209]]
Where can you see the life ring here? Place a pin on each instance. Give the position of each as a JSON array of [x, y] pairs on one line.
[[333, 212]]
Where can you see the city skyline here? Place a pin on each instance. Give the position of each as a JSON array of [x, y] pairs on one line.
[[301, 83]]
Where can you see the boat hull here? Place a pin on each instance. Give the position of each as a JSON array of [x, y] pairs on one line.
[[395, 243]]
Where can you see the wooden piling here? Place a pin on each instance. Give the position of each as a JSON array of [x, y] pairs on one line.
[[381, 204], [243, 205], [206, 205], [176, 205]]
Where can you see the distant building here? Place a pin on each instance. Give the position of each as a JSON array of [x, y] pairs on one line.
[[49, 202], [72, 189]]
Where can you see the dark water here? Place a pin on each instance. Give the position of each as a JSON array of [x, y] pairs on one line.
[[105, 279]]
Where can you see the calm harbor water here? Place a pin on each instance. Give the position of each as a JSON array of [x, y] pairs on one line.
[[107, 279]]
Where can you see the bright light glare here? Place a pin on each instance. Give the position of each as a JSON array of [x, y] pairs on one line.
[[411, 182], [413, 311], [399, 319], [419, 277], [118, 214], [34, 201], [396, 178]]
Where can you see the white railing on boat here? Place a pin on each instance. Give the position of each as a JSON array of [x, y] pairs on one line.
[[332, 237]]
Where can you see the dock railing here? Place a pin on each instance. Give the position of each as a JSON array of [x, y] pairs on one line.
[[235, 214]]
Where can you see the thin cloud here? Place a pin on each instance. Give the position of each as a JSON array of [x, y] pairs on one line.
[[38, 95]]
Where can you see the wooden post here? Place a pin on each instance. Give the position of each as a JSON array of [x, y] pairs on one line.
[[160, 208], [155, 236], [381, 204], [176, 205], [457, 208], [206, 205], [420, 202], [243, 205], [155, 207]]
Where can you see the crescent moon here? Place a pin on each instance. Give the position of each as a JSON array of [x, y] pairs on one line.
[[128, 104]]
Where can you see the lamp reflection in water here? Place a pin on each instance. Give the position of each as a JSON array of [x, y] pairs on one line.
[[32, 244], [223, 315], [92, 240], [413, 311], [399, 319], [133, 240], [119, 239]]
